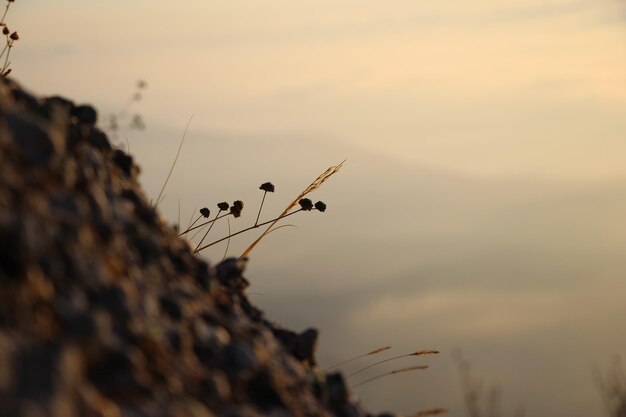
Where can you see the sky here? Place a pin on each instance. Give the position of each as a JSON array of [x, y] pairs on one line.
[[481, 206]]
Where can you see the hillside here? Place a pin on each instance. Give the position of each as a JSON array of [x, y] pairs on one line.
[[105, 311]]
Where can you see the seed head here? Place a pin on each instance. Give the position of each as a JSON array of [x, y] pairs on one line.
[[205, 212], [268, 187], [238, 204], [5, 31], [14, 36], [223, 206], [320, 206], [306, 204], [235, 211]]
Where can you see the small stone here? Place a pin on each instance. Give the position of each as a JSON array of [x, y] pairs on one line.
[[123, 161], [85, 114], [98, 139], [337, 388]]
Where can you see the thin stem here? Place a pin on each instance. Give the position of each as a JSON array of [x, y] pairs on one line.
[[182, 140], [373, 352], [6, 58], [203, 224], [178, 223], [189, 224], [417, 353], [4, 49], [207, 232], [247, 229], [260, 208], [228, 242], [395, 371], [6, 10], [194, 222]]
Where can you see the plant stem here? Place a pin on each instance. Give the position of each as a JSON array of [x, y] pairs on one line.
[[373, 352], [396, 371], [182, 140], [6, 10], [260, 208], [247, 229], [207, 232], [203, 224]]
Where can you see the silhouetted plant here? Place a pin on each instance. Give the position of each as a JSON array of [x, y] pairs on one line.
[[125, 119], [416, 353], [613, 388], [10, 38], [235, 210], [373, 352], [478, 403], [393, 372]]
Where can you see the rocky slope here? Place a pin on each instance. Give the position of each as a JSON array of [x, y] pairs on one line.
[[105, 311]]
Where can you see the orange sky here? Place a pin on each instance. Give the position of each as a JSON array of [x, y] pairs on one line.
[[529, 88]]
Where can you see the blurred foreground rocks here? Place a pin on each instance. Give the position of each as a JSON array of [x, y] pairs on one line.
[[105, 311]]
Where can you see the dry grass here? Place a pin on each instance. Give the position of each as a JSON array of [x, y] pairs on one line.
[[169, 174], [416, 353], [612, 385], [430, 412], [393, 372], [317, 183], [373, 352], [479, 402]]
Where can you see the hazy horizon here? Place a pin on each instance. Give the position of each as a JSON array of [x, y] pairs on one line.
[[482, 203]]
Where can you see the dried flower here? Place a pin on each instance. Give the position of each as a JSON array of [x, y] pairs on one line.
[[268, 187], [5, 31], [223, 206], [306, 204], [205, 212], [320, 206], [14, 36], [235, 211], [238, 204]]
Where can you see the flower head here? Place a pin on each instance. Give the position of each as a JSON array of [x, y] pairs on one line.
[[236, 208], [320, 206], [306, 204], [205, 212], [268, 187], [223, 206]]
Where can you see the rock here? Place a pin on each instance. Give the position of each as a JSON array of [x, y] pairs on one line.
[[85, 114], [105, 311]]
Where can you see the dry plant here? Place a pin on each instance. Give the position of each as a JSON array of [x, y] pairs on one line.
[[430, 412], [612, 385], [125, 119], [373, 352], [477, 402], [10, 39], [416, 353], [323, 177], [169, 174], [393, 372], [225, 210]]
